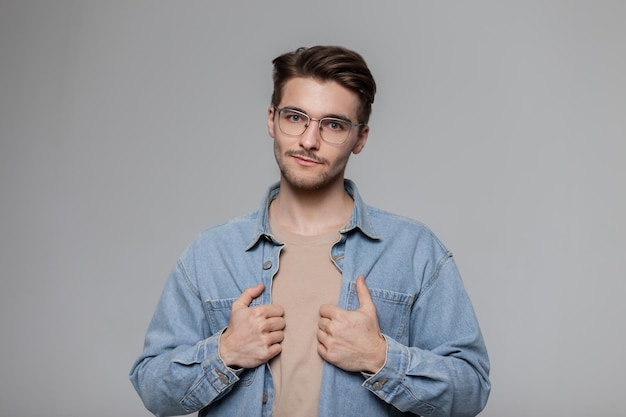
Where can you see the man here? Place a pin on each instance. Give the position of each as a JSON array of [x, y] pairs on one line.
[[315, 304]]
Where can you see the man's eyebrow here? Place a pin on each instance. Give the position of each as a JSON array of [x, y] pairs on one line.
[[340, 117], [295, 108], [331, 115]]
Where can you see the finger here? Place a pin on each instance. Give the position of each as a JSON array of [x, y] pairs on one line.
[[324, 325], [273, 350], [363, 293], [328, 310], [322, 337], [270, 310], [247, 296], [322, 351], [276, 337], [274, 324]]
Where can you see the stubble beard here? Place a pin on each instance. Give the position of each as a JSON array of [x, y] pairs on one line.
[[303, 182]]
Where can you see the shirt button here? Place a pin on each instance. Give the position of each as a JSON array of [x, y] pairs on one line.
[[264, 397], [267, 264], [223, 378], [378, 385]]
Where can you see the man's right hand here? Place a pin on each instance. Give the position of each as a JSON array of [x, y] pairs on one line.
[[254, 334]]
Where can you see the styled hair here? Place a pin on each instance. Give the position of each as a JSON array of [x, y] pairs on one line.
[[327, 63]]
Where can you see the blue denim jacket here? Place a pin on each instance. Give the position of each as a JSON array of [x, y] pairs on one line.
[[436, 364]]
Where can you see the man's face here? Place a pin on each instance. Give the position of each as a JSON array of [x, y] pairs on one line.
[[307, 162]]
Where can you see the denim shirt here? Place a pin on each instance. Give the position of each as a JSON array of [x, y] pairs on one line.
[[436, 365]]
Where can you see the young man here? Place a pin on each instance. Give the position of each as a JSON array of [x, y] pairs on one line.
[[315, 304]]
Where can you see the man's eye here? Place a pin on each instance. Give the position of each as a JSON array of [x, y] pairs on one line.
[[336, 125], [293, 117]]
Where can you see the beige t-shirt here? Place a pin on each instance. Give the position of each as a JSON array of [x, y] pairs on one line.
[[306, 279]]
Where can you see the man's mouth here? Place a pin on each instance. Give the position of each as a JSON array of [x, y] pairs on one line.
[[306, 159]]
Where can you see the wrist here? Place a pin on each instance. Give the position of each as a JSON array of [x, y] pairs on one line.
[[222, 350], [379, 356]]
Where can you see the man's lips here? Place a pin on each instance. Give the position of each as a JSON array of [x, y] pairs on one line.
[[306, 159]]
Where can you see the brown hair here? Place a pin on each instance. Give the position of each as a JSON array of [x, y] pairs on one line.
[[327, 63]]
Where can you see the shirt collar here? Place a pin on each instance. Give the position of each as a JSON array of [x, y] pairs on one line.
[[360, 218]]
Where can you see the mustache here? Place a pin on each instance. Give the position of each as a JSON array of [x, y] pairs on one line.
[[307, 155]]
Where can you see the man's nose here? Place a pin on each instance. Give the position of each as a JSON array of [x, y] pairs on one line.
[[311, 137]]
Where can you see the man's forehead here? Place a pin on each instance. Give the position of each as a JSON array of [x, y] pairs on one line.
[[312, 95]]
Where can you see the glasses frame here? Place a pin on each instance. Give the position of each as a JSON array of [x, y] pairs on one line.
[[319, 123]]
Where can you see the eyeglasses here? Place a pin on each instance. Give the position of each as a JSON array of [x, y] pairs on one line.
[[332, 129]]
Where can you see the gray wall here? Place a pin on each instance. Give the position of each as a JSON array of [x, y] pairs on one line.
[[127, 127]]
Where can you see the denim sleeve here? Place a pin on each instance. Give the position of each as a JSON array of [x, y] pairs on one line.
[[444, 371], [180, 371]]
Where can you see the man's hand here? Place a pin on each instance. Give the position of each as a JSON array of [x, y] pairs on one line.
[[351, 340], [254, 334]]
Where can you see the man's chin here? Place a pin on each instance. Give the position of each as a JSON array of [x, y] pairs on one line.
[[302, 183]]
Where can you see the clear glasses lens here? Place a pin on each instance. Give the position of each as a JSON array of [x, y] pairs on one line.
[[294, 123]]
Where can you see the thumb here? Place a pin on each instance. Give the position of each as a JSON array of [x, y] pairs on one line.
[[247, 296], [363, 293]]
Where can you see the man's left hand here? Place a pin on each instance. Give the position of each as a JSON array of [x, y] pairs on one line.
[[351, 340]]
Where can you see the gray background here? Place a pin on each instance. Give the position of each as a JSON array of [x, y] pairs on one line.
[[127, 127]]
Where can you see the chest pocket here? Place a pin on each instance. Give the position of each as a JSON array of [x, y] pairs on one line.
[[218, 312], [393, 308]]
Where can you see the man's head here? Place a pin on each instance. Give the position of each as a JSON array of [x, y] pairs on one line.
[[327, 63]]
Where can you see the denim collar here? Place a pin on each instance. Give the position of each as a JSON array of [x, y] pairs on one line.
[[359, 220]]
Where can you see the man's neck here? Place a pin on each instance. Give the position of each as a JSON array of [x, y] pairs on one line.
[[311, 212]]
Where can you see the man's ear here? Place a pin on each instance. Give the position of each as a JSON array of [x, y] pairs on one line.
[[360, 143], [270, 122]]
